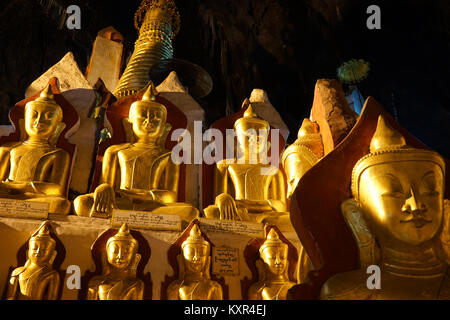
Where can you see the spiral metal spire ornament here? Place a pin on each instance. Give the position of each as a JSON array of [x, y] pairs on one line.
[[158, 22]]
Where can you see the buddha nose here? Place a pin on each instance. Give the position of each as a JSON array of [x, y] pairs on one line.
[[412, 204]]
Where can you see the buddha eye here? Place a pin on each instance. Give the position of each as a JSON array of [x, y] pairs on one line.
[[393, 194], [429, 185]]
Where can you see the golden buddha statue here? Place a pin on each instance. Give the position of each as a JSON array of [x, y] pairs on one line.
[[194, 281], [273, 270], [300, 156], [36, 280], [35, 169], [260, 194], [399, 222], [118, 281], [144, 167]]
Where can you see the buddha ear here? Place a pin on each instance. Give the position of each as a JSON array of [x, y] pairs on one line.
[[165, 133], [52, 258], [128, 128], [445, 233], [135, 263], [105, 264], [260, 266], [369, 252], [22, 132], [207, 268], [54, 138], [181, 269]]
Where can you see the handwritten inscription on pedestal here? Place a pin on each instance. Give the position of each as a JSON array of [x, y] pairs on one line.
[[23, 209], [236, 227], [225, 261], [146, 220]]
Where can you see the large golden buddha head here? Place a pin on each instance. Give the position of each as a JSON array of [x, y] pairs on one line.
[[195, 250], [121, 249], [399, 189], [147, 116], [274, 253], [252, 132], [300, 156], [41, 248], [43, 115]]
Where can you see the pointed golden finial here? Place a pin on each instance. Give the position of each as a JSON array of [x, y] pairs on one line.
[[195, 237], [151, 92], [272, 240], [386, 137], [249, 113], [123, 235], [308, 127], [43, 233], [46, 96]]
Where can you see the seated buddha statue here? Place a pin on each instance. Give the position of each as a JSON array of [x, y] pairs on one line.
[[300, 156], [194, 263], [35, 169], [36, 280], [133, 172], [273, 281], [118, 281], [259, 188], [398, 220]]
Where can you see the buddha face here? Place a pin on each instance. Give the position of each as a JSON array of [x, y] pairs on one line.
[[275, 258], [148, 119], [41, 120], [294, 168], [40, 251], [252, 140], [195, 257], [403, 201], [121, 253]]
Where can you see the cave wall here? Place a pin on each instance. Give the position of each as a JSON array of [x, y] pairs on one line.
[[282, 46]]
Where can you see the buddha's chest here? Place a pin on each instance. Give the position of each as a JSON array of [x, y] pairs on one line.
[[194, 291], [32, 283], [136, 165], [251, 181], [25, 160], [111, 290], [277, 291]]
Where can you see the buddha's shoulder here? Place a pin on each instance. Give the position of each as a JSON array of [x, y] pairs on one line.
[[17, 271], [444, 292], [10, 145], [346, 286], [117, 147]]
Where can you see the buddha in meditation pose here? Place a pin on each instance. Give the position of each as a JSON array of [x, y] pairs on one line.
[[118, 281], [35, 169], [194, 281], [148, 177], [273, 270], [399, 223], [36, 280], [259, 188]]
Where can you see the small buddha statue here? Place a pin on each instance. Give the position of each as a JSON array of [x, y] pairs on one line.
[[36, 280], [35, 169], [273, 282], [118, 281], [300, 156], [259, 187], [399, 223], [144, 166], [194, 281]]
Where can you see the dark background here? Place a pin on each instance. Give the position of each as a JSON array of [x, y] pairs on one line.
[[282, 46]]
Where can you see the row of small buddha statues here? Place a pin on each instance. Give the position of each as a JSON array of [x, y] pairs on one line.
[[38, 280], [397, 212], [138, 175]]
